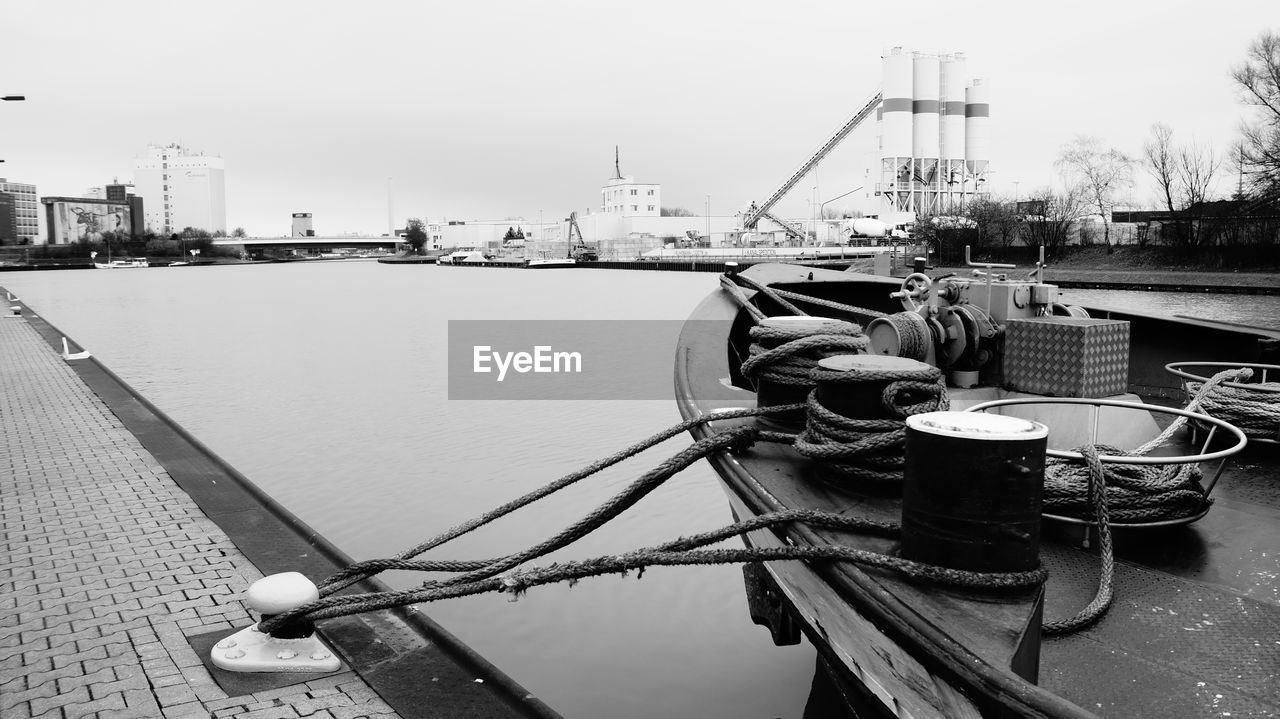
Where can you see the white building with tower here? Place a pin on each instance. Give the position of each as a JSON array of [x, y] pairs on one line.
[[624, 197], [181, 189], [934, 133]]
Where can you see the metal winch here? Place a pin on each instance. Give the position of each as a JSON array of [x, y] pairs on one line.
[[958, 323]]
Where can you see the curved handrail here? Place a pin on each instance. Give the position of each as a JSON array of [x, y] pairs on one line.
[[1121, 459], [1176, 369]]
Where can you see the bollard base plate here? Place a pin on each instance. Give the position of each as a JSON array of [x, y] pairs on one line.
[[250, 650]]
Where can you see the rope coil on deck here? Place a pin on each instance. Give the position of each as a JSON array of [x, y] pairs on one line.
[[1125, 492], [1255, 408], [870, 449], [796, 350]]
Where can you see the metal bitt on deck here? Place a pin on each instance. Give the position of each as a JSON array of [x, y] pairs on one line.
[[291, 648]]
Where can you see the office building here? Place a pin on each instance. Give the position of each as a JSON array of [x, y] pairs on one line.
[[26, 210]]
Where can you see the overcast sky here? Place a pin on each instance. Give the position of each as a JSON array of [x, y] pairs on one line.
[[499, 109]]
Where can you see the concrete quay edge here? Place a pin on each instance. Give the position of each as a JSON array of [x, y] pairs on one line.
[[402, 660]]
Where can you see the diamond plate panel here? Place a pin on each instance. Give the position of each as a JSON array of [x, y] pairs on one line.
[[1067, 356]]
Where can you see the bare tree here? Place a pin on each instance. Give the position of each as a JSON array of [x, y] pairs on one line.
[[1258, 78], [1198, 168], [1101, 172], [1050, 217], [675, 212], [1184, 174], [995, 219], [1161, 162]]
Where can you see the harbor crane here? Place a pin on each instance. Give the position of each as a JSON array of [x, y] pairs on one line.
[[753, 214], [579, 250]]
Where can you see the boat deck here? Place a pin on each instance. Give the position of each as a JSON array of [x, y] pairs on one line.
[[1194, 629]]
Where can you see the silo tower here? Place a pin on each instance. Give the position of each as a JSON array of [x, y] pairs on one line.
[[925, 133], [933, 135]]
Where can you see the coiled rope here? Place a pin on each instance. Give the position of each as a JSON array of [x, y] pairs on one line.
[[870, 449], [913, 334], [796, 350], [1255, 408]]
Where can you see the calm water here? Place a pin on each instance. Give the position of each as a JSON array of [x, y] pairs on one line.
[[325, 384]]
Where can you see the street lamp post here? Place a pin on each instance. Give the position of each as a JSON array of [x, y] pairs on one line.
[[708, 219], [13, 98]]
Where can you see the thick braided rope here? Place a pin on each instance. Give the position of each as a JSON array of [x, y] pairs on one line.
[[1255, 409], [683, 551], [771, 293], [1136, 493], [870, 449], [829, 304], [359, 570], [737, 438], [1201, 395], [912, 334], [740, 297], [800, 351], [1102, 599]]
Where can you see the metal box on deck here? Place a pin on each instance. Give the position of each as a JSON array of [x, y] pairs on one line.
[[1067, 356]]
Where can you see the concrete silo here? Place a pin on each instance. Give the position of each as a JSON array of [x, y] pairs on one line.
[[952, 139], [977, 135], [896, 133], [934, 135], [925, 132]]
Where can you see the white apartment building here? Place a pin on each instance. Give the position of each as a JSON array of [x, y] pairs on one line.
[[26, 208], [180, 189]]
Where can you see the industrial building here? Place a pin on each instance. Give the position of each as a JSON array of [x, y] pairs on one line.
[[26, 211], [181, 189], [934, 130], [75, 219], [302, 225]]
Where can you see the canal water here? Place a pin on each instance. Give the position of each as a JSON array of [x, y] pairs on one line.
[[324, 383]]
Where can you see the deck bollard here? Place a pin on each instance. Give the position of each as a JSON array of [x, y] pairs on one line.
[[972, 492], [293, 648]]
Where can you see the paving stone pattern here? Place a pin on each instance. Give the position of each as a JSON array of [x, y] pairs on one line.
[[107, 566]]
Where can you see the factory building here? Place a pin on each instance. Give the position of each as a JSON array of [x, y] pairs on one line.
[[933, 130], [181, 189]]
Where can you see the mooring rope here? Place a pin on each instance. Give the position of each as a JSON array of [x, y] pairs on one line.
[[1255, 409], [740, 297], [1126, 493], [796, 350], [870, 449], [1102, 599], [501, 574], [359, 570], [829, 304], [780, 296]]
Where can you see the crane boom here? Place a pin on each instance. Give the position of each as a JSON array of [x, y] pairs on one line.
[[756, 212]]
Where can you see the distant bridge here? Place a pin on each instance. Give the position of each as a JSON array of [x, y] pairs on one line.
[[305, 245]]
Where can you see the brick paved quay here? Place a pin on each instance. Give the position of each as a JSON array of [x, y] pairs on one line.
[[108, 566]]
